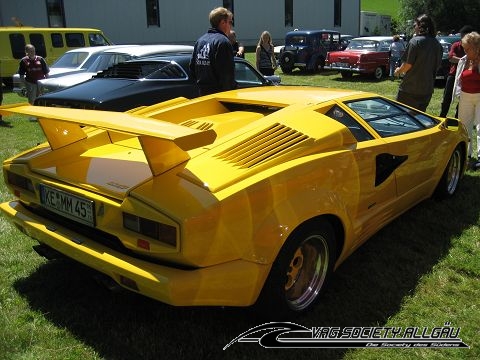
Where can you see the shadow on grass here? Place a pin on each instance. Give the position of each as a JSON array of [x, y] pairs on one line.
[[365, 291]]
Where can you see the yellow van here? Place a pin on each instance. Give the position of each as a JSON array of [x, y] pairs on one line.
[[49, 43]]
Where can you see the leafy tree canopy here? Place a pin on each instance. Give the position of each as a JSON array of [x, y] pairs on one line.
[[448, 15]]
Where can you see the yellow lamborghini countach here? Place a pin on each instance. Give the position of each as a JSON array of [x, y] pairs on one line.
[[236, 198]]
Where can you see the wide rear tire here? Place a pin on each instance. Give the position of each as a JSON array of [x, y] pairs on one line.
[[300, 271]]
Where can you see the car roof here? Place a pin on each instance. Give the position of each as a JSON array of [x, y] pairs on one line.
[[97, 49], [181, 59], [286, 95], [450, 38], [145, 50], [375, 38], [307, 32]]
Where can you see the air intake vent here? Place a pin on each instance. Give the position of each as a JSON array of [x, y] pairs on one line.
[[274, 141], [122, 70], [200, 125]]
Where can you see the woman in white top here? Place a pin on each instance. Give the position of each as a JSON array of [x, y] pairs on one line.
[[467, 89]]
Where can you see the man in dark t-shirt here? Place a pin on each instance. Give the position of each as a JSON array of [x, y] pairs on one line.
[[421, 61]]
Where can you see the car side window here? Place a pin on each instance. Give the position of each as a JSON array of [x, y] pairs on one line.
[[343, 117], [390, 119], [243, 74], [166, 71], [75, 39]]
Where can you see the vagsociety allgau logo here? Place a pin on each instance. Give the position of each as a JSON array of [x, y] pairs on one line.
[[291, 335]]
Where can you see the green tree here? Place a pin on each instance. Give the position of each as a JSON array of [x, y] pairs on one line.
[[447, 14]]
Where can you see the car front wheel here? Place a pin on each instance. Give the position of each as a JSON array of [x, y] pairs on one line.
[[287, 60], [300, 272], [448, 184]]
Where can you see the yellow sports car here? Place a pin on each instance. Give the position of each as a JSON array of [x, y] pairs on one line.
[[242, 197]]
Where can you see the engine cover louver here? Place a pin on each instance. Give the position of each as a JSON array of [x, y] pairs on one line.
[[274, 141]]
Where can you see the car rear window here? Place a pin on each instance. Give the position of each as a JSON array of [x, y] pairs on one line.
[[139, 70]]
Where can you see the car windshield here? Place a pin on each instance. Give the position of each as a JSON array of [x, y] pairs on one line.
[[369, 45], [107, 60], [70, 60], [296, 40]]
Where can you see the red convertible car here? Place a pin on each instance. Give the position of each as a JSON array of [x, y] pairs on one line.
[[365, 55]]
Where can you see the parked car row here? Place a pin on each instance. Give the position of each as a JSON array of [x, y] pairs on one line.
[[72, 61], [313, 50], [79, 65]]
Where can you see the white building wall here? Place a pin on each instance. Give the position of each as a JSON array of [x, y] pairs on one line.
[[183, 21], [30, 12]]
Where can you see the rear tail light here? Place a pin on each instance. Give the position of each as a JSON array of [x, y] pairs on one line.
[[20, 181], [162, 232]]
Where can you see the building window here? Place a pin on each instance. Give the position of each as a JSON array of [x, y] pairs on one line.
[[337, 13], [228, 4], [55, 13], [288, 12], [153, 13]]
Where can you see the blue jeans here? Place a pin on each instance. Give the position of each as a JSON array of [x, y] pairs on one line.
[[394, 63]]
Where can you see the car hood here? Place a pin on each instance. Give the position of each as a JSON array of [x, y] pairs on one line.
[[89, 91], [347, 53], [65, 81]]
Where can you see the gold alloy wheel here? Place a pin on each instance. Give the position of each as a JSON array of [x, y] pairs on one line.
[[306, 272]]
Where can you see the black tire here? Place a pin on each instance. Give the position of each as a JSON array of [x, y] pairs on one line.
[[378, 73], [300, 271], [319, 64], [8, 81], [346, 74], [287, 61], [450, 179]]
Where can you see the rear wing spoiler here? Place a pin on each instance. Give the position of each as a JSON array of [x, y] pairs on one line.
[[165, 144]]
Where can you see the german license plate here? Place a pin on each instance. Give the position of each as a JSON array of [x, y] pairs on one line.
[[68, 205]]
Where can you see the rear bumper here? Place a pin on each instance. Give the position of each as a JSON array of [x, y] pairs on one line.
[[235, 283], [345, 68]]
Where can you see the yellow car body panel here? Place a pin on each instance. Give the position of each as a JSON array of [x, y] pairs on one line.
[[228, 177]]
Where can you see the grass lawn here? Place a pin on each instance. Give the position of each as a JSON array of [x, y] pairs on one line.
[[384, 7], [422, 270]]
